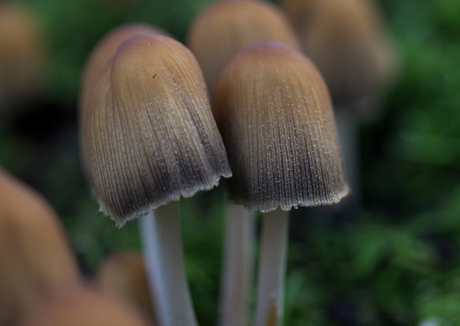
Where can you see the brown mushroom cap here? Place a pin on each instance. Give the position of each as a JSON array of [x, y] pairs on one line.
[[81, 307], [98, 58], [35, 256], [298, 11], [227, 27], [123, 276], [106, 48], [277, 122], [150, 134], [22, 52], [348, 42]]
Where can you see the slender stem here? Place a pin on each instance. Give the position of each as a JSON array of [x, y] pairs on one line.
[[162, 246], [238, 267], [272, 269]]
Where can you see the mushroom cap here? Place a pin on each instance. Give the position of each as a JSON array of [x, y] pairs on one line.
[[81, 307], [105, 49], [227, 27], [150, 134], [298, 10], [348, 42], [123, 276], [96, 61], [22, 52], [275, 115], [35, 256]]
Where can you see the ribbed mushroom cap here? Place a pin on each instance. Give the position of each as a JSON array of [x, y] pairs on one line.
[[98, 58], [227, 27], [150, 134], [81, 307], [35, 256], [277, 122], [123, 276], [347, 41]]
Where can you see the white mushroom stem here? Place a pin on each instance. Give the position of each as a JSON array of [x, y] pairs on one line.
[[272, 269], [164, 260], [238, 267]]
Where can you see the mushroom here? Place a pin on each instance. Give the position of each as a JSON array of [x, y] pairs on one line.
[[216, 36], [22, 57], [122, 275], [151, 139], [275, 115], [79, 306], [35, 256], [349, 43], [103, 51], [227, 27]]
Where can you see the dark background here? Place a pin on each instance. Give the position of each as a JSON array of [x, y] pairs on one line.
[[395, 262]]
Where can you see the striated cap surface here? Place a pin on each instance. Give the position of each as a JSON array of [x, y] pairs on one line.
[[277, 122], [95, 63], [227, 27], [150, 134]]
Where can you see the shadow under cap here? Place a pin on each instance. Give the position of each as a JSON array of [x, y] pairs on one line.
[[150, 134], [277, 122]]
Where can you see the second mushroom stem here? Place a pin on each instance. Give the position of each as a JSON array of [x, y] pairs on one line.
[[164, 260], [272, 269], [238, 267]]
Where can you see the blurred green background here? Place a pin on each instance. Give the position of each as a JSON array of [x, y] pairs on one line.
[[396, 262]]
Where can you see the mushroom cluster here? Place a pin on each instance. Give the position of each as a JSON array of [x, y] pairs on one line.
[[156, 128], [150, 139]]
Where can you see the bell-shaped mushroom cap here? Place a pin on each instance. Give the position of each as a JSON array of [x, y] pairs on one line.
[[348, 42], [123, 276], [106, 48], [277, 122], [98, 58], [227, 27], [81, 307], [150, 134], [35, 256]]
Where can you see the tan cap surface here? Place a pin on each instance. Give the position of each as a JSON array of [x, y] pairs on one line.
[[277, 122], [150, 134], [227, 27], [348, 42]]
